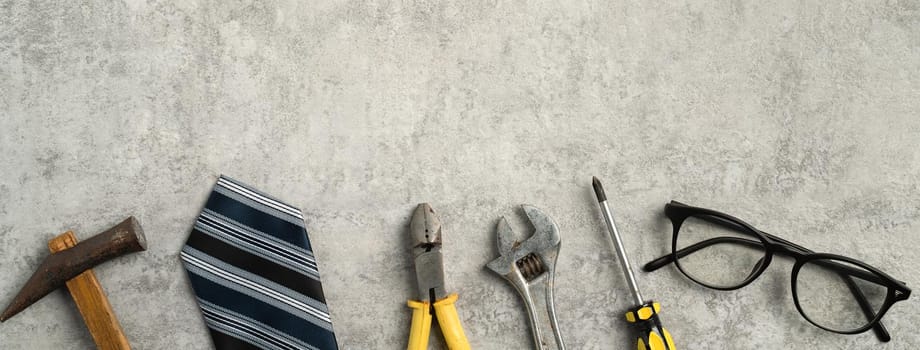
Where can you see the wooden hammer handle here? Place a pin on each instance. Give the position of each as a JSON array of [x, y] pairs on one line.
[[92, 302]]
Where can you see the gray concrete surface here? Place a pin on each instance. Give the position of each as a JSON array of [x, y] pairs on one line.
[[798, 116]]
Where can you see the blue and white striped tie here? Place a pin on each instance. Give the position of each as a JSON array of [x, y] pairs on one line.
[[250, 263]]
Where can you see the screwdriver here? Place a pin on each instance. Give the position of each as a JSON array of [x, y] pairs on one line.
[[644, 316]]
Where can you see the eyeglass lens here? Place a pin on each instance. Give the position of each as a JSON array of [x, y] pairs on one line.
[[823, 289], [725, 258]]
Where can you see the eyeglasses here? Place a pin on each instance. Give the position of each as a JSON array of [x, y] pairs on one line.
[[833, 292]]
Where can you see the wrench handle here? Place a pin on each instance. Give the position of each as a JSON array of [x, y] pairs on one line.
[[541, 311], [450, 323], [651, 335], [421, 325]]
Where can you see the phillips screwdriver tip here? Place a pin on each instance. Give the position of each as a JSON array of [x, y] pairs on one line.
[[599, 189]]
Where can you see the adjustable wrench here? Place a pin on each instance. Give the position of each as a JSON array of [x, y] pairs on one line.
[[530, 267]]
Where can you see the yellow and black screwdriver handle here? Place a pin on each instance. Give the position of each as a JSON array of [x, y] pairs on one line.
[[448, 319], [651, 335]]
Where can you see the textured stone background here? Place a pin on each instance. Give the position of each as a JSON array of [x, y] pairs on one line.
[[798, 116]]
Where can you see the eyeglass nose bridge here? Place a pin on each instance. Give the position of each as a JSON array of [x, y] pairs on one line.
[[759, 266]]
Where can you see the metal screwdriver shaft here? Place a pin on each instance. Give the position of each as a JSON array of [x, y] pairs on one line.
[[617, 242], [644, 316]]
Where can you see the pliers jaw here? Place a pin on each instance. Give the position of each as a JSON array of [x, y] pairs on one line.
[[425, 238], [424, 230]]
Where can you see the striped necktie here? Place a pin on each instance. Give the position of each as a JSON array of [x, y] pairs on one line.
[[250, 263]]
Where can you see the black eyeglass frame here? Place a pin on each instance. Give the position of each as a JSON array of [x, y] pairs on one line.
[[678, 212]]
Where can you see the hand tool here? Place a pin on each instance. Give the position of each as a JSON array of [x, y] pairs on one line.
[[643, 316], [530, 267], [71, 263], [425, 237]]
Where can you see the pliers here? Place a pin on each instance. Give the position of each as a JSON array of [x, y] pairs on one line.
[[425, 238]]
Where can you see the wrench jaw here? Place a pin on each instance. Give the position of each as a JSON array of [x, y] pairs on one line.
[[530, 267], [545, 237], [506, 241]]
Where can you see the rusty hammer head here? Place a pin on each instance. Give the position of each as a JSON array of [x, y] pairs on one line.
[[57, 269]]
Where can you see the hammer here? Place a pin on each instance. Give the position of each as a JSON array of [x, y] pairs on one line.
[[71, 263]]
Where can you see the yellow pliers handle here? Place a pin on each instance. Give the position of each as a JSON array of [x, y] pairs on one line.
[[421, 325], [447, 318]]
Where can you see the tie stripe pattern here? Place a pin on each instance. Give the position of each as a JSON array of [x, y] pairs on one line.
[[252, 268]]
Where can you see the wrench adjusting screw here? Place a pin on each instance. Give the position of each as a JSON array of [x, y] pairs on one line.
[[531, 266]]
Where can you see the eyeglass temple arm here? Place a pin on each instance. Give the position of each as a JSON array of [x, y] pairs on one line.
[[881, 332], [784, 245], [842, 269], [667, 259], [789, 246]]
